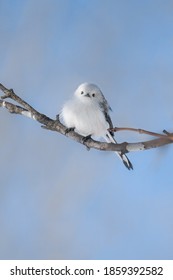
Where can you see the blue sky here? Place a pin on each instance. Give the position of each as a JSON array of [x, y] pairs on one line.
[[59, 201]]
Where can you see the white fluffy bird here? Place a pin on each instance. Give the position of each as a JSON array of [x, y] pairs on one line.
[[88, 114]]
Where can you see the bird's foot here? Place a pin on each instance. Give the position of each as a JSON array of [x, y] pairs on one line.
[[85, 139], [69, 130]]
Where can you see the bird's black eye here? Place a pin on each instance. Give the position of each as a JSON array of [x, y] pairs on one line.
[[82, 92], [93, 95]]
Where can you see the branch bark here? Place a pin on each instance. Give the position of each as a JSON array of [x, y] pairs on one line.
[[55, 125]]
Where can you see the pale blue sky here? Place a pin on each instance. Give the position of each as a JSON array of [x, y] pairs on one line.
[[59, 201]]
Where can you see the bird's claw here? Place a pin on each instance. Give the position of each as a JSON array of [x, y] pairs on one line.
[[69, 130], [85, 139]]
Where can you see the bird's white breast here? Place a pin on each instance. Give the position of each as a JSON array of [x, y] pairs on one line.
[[87, 118]]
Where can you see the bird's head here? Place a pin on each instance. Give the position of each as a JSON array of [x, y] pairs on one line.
[[89, 93]]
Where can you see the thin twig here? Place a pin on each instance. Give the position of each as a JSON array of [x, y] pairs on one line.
[[143, 131]]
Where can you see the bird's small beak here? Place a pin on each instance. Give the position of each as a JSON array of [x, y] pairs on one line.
[[87, 95]]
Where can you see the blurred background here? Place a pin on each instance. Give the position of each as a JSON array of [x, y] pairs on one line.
[[57, 200]]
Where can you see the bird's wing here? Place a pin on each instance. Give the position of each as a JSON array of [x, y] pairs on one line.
[[105, 109]]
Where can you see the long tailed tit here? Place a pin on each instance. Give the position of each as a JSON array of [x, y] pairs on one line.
[[88, 113]]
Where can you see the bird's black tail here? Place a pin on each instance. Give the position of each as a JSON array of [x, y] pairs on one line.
[[110, 139]]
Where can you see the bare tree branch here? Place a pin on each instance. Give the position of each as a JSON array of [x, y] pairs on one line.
[[55, 125]]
